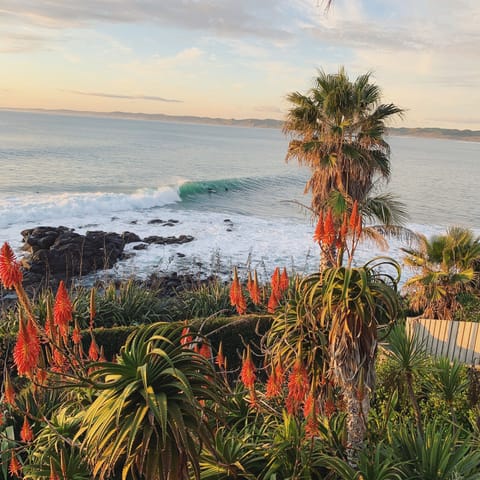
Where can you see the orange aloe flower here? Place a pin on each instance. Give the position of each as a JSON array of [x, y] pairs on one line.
[[275, 382], [93, 352], [329, 407], [319, 230], [27, 349], [26, 433], [205, 351], [76, 335], [185, 337], [254, 289], [354, 216], [53, 472], [10, 273], [221, 361], [247, 374], [15, 467], [276, 283], [329, 227], [298, 387], [284, 280], [310, 414], [62, 310], [236, 294], [272, 303], [8, 390]]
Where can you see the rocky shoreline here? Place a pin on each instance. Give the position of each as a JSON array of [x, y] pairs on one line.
[[52, 254]]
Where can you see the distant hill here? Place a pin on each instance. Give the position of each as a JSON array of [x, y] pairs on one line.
[[451, 134]]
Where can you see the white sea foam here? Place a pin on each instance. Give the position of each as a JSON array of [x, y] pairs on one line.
[[42, 208]]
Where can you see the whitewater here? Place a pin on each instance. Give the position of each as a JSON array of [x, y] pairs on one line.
[[228, 187]]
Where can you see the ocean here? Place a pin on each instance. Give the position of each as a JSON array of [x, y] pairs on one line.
[[228, 187]]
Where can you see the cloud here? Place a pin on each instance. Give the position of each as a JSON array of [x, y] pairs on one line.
[[125, 97], [21, 42], [268, 109], [222, 17]]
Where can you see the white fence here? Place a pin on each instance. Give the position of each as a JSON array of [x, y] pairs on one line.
[[448, 338]]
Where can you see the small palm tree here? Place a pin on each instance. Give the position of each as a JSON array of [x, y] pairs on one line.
[[148, 420], [446, 268]]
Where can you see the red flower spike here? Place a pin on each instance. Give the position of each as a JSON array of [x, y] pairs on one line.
[[53, 473], [26, 433], [27, 349], [329, 408], [185, 337], [8, 390], [329, 233], [276, 283], [298, 387], [319, 230], [14, 467], [76, 335], [250, 283], [234, 288], [10, 273], [205, 351], [93, 352], [354, 216], [255, 293], [221, 360], [41, 376], [247, 374], [358, 228], [58, 360], [62, 310], [236, 294], [272, 303], [275, 382], [284, 280]]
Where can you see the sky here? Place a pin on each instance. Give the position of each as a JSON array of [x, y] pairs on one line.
[[239, 58]]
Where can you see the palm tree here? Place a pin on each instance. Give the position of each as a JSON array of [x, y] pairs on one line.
[[338, 130], [446, 268], [148, 420]]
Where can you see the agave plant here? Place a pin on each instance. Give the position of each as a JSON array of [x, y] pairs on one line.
[[372, 465], [438, 455], [148, 418], [448, 380]]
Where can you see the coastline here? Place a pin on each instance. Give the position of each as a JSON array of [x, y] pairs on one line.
[[465, 135]]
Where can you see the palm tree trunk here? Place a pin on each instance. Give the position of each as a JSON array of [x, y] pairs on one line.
[[356, 421]]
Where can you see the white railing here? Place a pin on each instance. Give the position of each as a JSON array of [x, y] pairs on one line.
[[448, 338]]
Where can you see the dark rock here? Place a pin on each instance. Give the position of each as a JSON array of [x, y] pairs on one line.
[[169, 224], [141, 246], [181, 255], [133, 222], [114, 218], [170, 220], [59, 253], [168, 240], [155, 221], [227, 220], [130, 237]]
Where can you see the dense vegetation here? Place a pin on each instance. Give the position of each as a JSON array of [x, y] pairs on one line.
[[313, 377]]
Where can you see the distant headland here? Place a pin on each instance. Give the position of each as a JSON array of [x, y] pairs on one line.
[[445, 133]]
